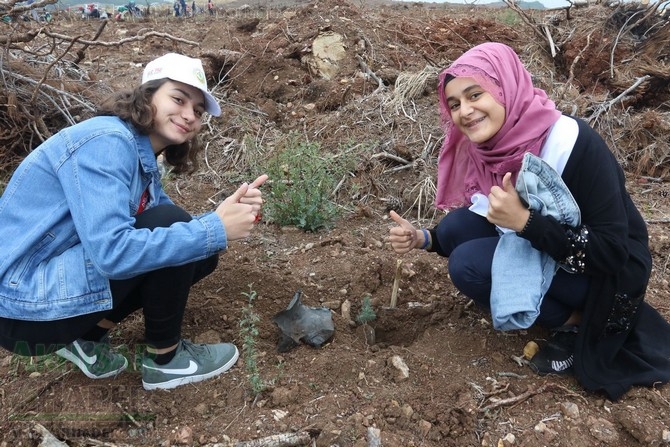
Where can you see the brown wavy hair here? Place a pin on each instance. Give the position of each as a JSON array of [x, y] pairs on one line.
[[134, 106]]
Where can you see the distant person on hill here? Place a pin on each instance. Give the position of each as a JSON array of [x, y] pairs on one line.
[[133, 9], [210, 7], [540, 228], [88, 235]]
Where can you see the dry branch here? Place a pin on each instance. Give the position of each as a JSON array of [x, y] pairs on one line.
[[32, 34], [530, 22], [385, 154], [128, 415], [578, 58], [48, 440], [366, 70], [526, 395], [46, 72], [86, 105], [15, 9], [616, 41], [545, 28], [602, 108], [19, 38], [396, 283], [81, 53], [281, 440]]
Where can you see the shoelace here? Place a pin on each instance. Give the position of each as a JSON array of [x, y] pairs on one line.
[[194, 349]]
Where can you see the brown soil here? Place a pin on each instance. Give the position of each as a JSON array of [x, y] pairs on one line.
[[463, 386]]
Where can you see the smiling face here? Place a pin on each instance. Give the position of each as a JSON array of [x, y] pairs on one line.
[[178, 114], [473, 110]]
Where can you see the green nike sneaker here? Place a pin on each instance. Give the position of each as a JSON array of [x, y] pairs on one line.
[[95, 359], [192, 363]]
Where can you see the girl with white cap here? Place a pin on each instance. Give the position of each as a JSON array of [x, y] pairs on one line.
[[88, 235]]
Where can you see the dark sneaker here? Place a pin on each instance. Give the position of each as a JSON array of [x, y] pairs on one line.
[[95, 359], [191, 363], [557, 356]]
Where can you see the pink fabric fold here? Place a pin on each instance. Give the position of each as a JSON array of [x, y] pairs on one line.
[[465, 168]]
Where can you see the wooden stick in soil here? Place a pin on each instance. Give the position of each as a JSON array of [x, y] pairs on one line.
[[396, 283], [280, 440], [299, 439]]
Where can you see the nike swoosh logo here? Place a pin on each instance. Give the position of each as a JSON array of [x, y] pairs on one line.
[[87, 358], [192, 367]]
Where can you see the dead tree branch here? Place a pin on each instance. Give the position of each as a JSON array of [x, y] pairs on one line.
[[44, 77], [82, 50], [5, 40], [11, 8], [608, 105], [616, 42], [84, 104], [303, 438], [280, 440], [48, 439], [385, 154], [531, 22], [526, 395], [366, 70], [20, 38]]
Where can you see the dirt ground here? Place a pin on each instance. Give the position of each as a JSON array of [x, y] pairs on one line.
[[436, 374]]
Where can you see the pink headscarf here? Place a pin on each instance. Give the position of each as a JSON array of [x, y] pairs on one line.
[[465, 168]]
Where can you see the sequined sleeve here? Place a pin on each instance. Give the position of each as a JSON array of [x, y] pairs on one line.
[[575, 261]]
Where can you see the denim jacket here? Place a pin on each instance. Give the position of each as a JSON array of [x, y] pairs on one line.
[[521, 274], [66, 223]]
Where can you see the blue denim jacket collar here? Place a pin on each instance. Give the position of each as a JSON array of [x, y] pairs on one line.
[[145, 151]]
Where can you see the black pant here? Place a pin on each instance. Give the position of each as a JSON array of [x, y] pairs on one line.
[[161, 294], [469, 241]]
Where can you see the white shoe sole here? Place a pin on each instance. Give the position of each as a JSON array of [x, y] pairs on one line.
[[174, 383]]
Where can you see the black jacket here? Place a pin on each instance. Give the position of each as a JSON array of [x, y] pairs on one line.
[[622, 340]]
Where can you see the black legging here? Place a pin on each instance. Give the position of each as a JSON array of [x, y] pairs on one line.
[[469, 241], [161, 294]]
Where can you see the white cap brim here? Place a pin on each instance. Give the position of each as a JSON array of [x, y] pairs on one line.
[[186, 70]]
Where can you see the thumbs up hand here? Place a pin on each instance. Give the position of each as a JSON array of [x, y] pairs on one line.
[[240, 211], [505, 207], [403, 237], [238, 218], [253, 196]]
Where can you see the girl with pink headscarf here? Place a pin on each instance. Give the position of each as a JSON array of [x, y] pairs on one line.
[[600, 328]]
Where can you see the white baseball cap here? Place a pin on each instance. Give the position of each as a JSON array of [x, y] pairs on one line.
[[180, 68]]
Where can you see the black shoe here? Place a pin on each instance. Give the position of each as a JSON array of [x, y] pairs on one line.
[[557, 356]]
